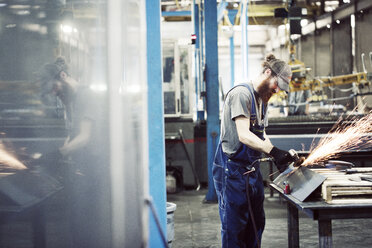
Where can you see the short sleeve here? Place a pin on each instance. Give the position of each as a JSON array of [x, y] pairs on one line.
[[240, 104]]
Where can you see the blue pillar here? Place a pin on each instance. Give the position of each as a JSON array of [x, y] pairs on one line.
[[198, 61], [244, 43], [212, 93], [232, 58], [156, 128]]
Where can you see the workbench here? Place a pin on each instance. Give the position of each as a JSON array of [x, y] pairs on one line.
[[321, 211], [23, 195]]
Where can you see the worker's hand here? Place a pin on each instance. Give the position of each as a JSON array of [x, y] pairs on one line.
[[282, 158]]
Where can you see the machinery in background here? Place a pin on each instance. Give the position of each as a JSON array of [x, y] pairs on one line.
[[178, 86], [309, 96], [297, 100], [360, 81]]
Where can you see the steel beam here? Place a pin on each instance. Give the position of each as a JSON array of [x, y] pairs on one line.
[[212, 86], [244, 43], [156, 135], [232, 61]]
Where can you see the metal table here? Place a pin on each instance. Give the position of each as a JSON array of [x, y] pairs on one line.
[[23, 195], [322, 212]]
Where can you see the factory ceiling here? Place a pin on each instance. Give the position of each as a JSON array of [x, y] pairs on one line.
[[260, 12], [40, 15]]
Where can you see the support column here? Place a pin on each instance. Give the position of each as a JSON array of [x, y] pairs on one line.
[[197, 18], [212, 92], [325, 233], [293, 226], [244, 45], [232, 60], [156, 117]]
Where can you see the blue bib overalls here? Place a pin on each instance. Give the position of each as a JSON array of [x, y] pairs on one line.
[[230, 183]]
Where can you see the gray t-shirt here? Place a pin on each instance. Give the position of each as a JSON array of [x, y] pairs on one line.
[[238, 103]]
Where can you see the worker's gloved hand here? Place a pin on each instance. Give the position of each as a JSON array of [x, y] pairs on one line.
[[282, 158]]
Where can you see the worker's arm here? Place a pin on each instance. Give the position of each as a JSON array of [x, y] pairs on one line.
[[250, 139], [266, 137], [80, 140]]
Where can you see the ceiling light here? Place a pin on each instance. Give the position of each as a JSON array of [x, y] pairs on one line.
[[66, 29], [11, 25], [304, 22]]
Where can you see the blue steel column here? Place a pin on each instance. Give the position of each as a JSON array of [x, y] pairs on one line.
[[212, 85], [197, 31], [232, 58], [155, 116], [244, 44]]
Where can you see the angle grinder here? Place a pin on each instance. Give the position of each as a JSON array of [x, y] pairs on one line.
[[296, 160]]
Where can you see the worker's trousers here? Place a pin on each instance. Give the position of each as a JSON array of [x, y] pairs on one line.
[[230, 183]]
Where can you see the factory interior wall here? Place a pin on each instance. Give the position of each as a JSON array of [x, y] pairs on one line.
[[307, 52], [341, 43], [363, 38], [364, 45], [322, 53], [22, 60], [255, 58], [342, 60], [282, 52]]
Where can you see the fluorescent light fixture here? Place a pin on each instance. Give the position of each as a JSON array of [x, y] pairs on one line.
[[10, 25], [352, 21], [304, 22], [98, 87], [66, 29]]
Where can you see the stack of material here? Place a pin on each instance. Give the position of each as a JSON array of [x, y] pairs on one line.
[[348, 186]]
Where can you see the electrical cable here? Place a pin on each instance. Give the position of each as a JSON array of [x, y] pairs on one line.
[[248, 197], [251, 211], [149, 202]]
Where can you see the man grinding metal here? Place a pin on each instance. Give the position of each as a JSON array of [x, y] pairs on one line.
[[85, 149], [236, 172]]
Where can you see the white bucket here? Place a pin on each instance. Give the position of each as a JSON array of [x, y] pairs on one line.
[[171, 207]]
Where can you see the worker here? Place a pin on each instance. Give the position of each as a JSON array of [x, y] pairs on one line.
[[299, 102], [236, 172], [85, 149]]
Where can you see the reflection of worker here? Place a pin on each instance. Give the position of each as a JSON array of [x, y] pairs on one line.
[[242, 142], [297, 102], [87, 181]]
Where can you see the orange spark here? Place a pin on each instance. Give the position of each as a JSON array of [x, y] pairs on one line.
[[8, 161], [354, 137]]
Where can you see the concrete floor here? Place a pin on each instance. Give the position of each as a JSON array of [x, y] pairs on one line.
[[198, 225]]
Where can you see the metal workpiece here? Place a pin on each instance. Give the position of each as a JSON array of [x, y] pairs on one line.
[[302, 181]]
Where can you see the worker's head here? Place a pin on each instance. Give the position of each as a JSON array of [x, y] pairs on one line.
[[54, 78], [276, 76]]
